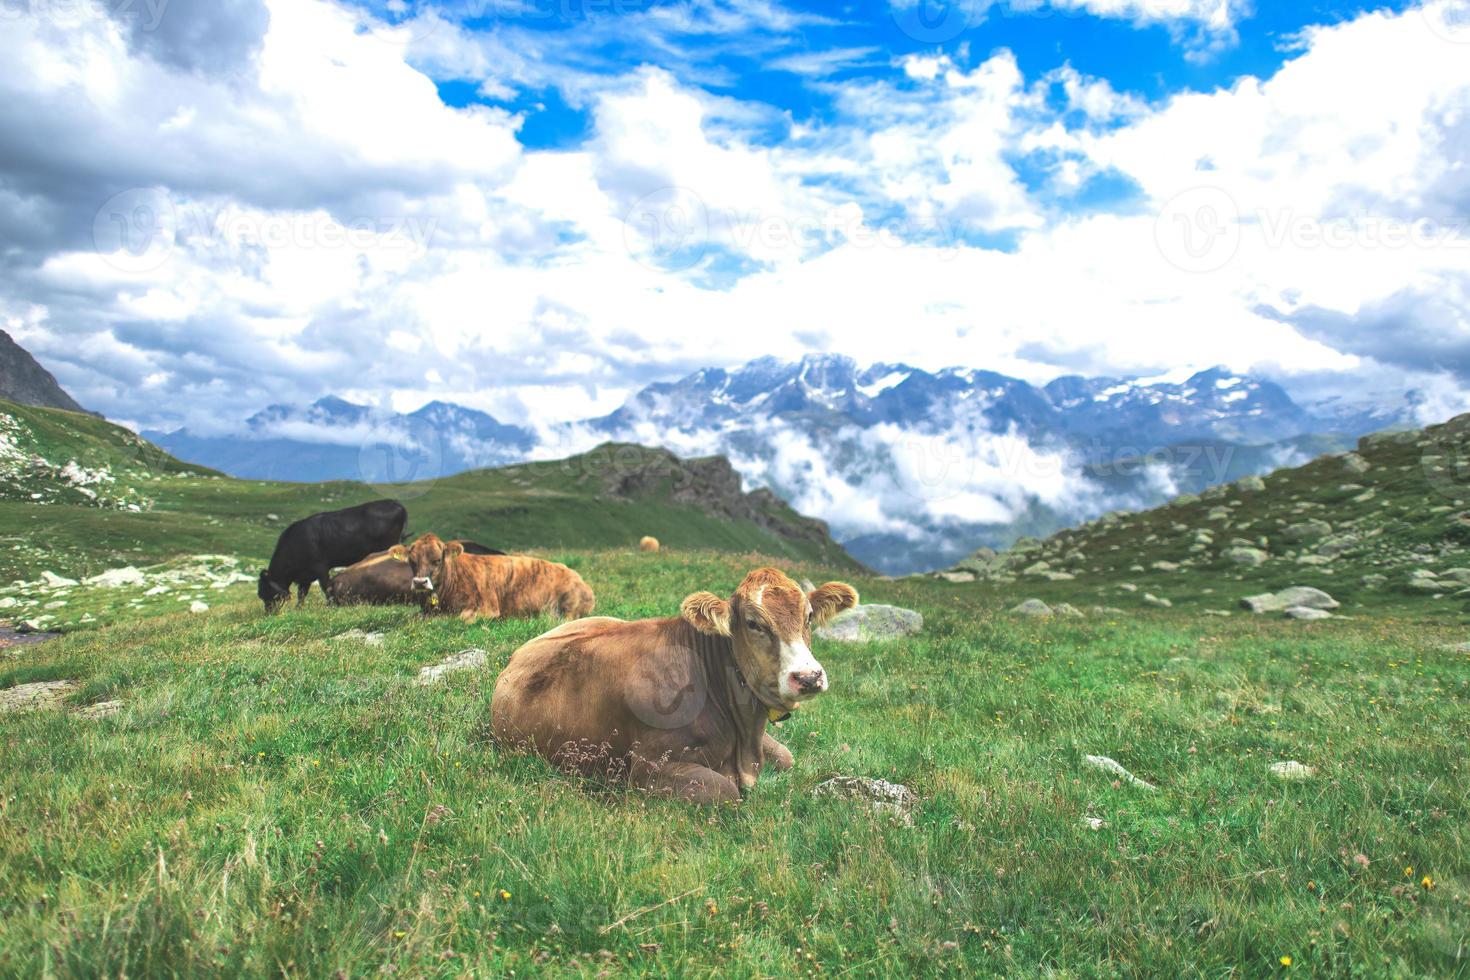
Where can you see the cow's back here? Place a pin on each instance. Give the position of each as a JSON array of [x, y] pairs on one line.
[[569, 687]]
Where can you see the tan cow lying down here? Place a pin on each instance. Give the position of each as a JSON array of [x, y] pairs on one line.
[[678, 706], [446, 580]]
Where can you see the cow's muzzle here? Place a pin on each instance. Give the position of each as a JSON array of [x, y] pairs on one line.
[[423, 584], [807, 683]]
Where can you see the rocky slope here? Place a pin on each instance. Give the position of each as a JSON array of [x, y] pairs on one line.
[[25, 381], [1387, 524]]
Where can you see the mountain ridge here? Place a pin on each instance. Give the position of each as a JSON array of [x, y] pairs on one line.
[[909, 467], [23, 380]]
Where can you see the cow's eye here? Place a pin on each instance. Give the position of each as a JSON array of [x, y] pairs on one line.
[[755, 624]]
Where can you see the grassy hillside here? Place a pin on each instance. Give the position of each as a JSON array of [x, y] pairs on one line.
[[276, 796], [79, 496], [1385, 528]]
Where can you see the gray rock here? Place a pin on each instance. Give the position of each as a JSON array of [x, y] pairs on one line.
[[1033, 607], [891, 799], [102, 709], [1250, 484], [371, 639], [1303, 613], [1247, 556], [1307, 531], [1150, 599], [1354, 463], [1303, 596], [53, 581], [956, 578], [116, 578], [1069, 610], [1461, 575], [472, 659], [871, 622], [1291, 771], [1365, 496], [1165, 566], [39, 696]]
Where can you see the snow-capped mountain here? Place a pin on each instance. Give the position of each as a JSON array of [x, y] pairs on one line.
[[912, 469], [334, 439]]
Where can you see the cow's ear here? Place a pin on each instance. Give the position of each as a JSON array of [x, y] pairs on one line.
[[831, 599], [453, 550], [398, 553], [707, 613]]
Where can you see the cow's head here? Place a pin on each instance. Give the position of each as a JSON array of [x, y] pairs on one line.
[[769, 622], [426, 558], [270, 593]]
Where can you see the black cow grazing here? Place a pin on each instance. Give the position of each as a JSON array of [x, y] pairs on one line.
[[312, 545]]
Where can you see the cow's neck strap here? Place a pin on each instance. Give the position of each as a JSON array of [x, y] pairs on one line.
[[777, 714]]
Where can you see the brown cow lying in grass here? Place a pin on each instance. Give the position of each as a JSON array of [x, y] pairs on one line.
[[382, 579], [447, 580], [678, 706]]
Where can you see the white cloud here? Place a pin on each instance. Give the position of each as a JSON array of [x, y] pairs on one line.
[[528, 292]]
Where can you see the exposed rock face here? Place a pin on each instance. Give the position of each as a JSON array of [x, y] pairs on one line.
[[23, 380], [710, 484], [1033, 607]]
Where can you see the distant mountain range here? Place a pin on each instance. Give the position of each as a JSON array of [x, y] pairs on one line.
[[912, 469], [333, 439]]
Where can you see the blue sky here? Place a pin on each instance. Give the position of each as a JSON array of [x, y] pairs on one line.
[[536, 207], [1153, 59]]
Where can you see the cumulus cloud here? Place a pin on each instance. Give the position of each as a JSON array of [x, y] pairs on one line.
[[233, 211]]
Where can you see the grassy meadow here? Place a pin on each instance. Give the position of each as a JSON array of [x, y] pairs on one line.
[[277, 796]]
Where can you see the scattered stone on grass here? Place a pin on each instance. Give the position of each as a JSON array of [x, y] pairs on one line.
[[102, 709], [1149, 599], [1247, 556], [472, 659], [1094, 823], [1291, 771], [117, 578], [1113, 767], [1304, 596], [40, 696], [1306, 614], [892, 799], [198, 607], [361, 636], [1033, 607], [871, 622]]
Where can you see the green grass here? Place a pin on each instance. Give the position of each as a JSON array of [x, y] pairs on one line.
[[272, 800]]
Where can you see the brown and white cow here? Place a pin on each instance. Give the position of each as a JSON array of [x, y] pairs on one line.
[[678, 706], [447, 580], [383, 578]]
